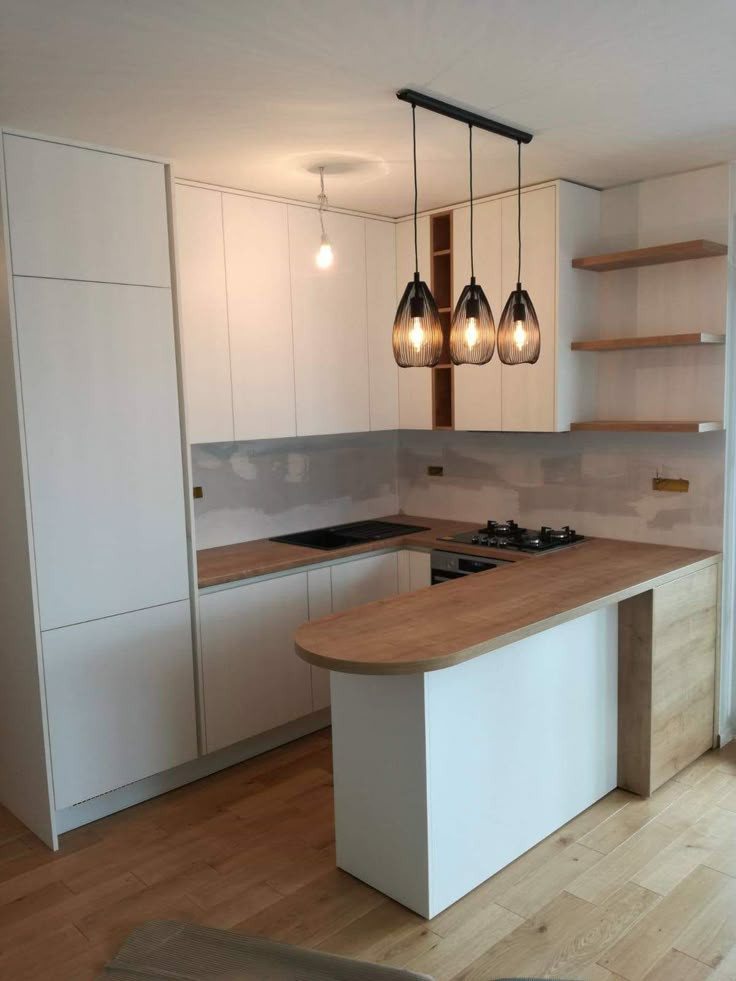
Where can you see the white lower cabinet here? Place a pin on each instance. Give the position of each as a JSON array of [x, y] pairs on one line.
[[253, 679], [319, 582], [364, 581], [415, 570], [120, 697]]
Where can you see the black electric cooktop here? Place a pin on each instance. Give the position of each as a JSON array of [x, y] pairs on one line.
[[341, 536]]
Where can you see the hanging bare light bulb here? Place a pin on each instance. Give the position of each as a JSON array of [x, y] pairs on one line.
[[417, 333], [519, 337], [472, 330], [325, 256]]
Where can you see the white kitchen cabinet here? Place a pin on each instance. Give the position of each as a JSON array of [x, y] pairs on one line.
[[415, 384], [102, 431], [477, 388], [319, 585], [380, 263], [415, 570], [364, 581], [120, 699], [253, 679], [76, 213], [528, 391], [259, 305], [204, 316], [330, 325]]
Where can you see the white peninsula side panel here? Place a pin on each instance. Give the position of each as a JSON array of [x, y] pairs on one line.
[[474, 764]]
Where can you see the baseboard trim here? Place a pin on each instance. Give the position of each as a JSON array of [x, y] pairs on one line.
[[160, 783]]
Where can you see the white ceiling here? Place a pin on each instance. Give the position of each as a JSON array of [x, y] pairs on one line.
[[249, 93]]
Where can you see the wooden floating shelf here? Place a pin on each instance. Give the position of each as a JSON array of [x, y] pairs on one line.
[[634, 426], [699, 248], [656, 340]]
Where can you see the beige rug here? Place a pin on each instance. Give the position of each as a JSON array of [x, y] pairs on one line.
[[170, 950]]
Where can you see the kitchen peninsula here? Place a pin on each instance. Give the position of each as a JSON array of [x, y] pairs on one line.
[[473, 719]]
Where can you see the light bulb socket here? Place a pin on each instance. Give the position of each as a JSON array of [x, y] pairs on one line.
[[416, 306], [472, 307], [519, 310]]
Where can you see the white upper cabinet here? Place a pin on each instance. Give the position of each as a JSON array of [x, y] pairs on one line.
[[330, 325], [380, 262], [84, 214], [98, 375], [477, 388], [259, 304], [528, 391], [204, 316], [415, 384]]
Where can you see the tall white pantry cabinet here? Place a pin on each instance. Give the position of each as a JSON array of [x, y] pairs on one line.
[[96, 656]]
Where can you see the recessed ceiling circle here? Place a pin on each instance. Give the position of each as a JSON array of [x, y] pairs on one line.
[[340, 164]]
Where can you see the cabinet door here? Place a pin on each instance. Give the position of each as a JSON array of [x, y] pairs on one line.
[[99, 386], [477, 388], [253, 678], [528, 391], [120, 697], [204, 325], [415, 384], [259, 305], [364, 580], [85, 214], [319, 583], [415, 570], [330, 330], [380, 262]]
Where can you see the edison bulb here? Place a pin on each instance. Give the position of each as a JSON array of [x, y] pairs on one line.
[[472, 333], [416, 334], [519, 334], [325, 256]]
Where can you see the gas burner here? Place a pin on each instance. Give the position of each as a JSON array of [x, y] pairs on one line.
[[502, 529], [507, 535]]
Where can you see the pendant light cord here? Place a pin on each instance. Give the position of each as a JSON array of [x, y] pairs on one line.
[[518, 209], [416, 186], [322, 199], [470, 157]]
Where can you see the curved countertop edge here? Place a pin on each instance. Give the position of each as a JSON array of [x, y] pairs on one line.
[[421, 665]]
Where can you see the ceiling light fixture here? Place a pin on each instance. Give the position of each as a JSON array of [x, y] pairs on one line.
[[325, 256], [417, 334], [473, 329], [519, 338]]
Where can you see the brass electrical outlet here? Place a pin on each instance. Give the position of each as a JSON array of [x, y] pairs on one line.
[[678, 485], [197, 493], [435, 471]]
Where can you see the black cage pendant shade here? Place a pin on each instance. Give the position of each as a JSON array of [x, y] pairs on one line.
[[473, 329], [519, 338], [417, 333]]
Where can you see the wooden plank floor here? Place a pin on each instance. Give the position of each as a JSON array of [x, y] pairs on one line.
[[637, 889]]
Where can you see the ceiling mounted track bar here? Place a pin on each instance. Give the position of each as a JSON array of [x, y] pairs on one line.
[[466, 116]]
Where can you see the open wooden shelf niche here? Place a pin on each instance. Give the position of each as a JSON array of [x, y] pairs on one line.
[[441, 286]]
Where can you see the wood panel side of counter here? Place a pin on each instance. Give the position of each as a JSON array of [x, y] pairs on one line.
[[635, 618], [668, 648]]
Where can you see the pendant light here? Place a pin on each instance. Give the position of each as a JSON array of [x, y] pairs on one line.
[[417, 333], [519, 338], [325, 257], [473, 330]]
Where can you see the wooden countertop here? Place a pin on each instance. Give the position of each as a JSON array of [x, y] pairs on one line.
[[229, 563], [443, 625]]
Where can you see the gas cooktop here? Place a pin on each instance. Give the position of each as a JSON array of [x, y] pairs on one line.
[[508, 535]]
